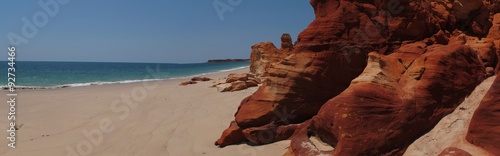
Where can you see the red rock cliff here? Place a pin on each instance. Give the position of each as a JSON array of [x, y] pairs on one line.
[[484, 129], [369, 77]]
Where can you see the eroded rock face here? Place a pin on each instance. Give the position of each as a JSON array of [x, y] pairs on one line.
[[494, 34], [237, 82], [262, 56], [327, 56], [416, 85], [265, 54], [238, 77], [484, 129], [486, 51], [463, 8], [420, 66]]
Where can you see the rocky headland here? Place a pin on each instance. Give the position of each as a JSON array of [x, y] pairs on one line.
[[372, 77]]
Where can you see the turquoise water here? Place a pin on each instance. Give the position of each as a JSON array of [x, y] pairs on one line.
[[71, 74]]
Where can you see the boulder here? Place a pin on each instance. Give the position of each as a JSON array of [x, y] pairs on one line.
[[225, 87], [236, 82], [235, 86], [233, 135], [238, 77], [238, 85]]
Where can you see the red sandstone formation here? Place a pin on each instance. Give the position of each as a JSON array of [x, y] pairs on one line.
[[265, 54], [484, 129], [416, 85], [262, 56], [370, 77], [238, 77], [495, 35], [236, 82]]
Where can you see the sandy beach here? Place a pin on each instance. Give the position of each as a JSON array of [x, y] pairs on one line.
[[143, 118]]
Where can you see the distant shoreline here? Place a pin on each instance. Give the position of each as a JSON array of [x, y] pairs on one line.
[[3, 87], [51, 75]]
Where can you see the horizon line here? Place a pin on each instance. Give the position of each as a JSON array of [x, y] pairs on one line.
[[119, 62]]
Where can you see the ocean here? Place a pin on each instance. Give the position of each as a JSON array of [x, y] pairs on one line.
[[73, 74]]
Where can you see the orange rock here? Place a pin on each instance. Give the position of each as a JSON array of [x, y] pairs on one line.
[[232, 135], [255, 80], [225, 87], [238, 85], [263, 55], [379, 113], [326, 57], [233, 86], [368, 77], [484, 129], [486, 51], [238, 77], [251, 84], [495, 29]]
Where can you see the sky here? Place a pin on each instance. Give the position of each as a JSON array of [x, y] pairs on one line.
[[153, 31]]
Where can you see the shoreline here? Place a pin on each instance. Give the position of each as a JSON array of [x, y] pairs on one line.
[[147, 118], [87, 84]]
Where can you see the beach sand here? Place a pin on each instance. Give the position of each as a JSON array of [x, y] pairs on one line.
[[143, 118]]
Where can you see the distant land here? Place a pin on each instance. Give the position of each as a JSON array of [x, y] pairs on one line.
[[228, 60]]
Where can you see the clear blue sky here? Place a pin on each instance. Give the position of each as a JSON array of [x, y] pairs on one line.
[[160, 31]]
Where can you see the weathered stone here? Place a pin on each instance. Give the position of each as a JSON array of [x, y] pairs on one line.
[[484, 128], [238, 77]]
